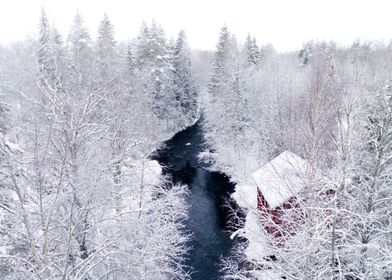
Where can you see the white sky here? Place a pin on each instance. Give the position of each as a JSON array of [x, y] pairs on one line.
[[284, 23]]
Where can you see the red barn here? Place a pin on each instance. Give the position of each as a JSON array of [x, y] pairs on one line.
[[278, 184]]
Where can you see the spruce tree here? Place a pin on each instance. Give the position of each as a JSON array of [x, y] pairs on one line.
[[106, 47], [226, 86], [226, 111], [142, 46], [252, 52], [154, 59], [49, 54], [306, 53], [79, 48], [45, 59], [220, 56], [184, 88]]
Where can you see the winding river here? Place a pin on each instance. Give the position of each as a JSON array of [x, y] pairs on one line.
[[209, 190]]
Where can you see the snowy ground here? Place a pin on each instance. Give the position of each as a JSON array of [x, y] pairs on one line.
[[246, 197]]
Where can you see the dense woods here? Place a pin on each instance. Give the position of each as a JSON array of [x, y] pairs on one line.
[[80, 196], [332, 106], [80, 119]]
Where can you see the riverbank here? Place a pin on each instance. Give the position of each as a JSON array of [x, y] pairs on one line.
[[209, 192]]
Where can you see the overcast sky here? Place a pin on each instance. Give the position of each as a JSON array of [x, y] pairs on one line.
[[284, 23]]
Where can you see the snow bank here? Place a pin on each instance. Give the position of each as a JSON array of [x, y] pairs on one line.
[[257, 247], [245, 196], [152, 172]]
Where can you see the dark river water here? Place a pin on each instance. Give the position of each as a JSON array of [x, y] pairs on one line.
[[209, 191]]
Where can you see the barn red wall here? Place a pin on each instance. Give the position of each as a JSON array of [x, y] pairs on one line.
[[271, 219]]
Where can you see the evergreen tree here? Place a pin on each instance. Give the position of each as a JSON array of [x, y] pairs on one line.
[[154, 59], [142, 46], [45, 58], [106, 48], [49, 54], [184, 88], [226, 109], [218, 67], [252, 51], [306, 53], [79, 48], [226, 84]]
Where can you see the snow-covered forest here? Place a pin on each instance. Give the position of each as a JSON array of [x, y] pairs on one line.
[[81, 119]]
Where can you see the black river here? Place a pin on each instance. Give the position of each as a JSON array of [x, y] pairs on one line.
[[209, 191]]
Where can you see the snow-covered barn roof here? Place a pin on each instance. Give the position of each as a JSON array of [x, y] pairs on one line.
[[281, 178]]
